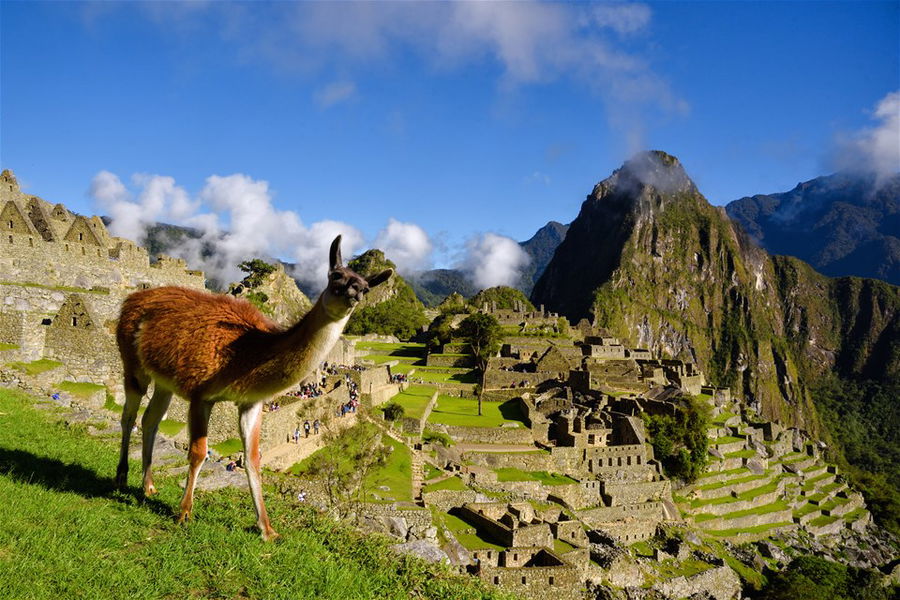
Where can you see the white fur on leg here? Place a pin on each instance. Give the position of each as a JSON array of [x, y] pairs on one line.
[[129, 415], [158, 406]]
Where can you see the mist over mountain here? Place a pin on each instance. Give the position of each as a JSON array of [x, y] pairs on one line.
[[842, 224]]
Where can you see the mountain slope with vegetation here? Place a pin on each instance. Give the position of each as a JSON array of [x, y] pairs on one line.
[[652, 261], [842, 224], [389, 309]]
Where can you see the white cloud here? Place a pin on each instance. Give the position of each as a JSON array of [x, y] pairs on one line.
[[236, 220], [406, 244], [335, 93], [492, 259], [873, 149], [538, 177], [621, 17], [529, 41]]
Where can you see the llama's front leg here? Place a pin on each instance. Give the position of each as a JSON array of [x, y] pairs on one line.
[[134, 391], [251, 422], [158, 406], [198, 422]]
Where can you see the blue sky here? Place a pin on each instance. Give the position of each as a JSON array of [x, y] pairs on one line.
[[424, 127]]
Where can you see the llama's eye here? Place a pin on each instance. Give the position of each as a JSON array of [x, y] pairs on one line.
[[335, 276]]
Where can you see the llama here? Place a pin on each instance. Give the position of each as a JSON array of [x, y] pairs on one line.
[[207, 348]]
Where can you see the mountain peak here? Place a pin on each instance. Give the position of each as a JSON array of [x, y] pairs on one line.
[[653, 169]]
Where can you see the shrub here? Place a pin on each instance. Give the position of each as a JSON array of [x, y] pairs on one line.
[[680, 442], [392, 411], [436, 437]]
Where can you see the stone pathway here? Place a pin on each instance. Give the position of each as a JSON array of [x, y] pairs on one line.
[[418, 475]]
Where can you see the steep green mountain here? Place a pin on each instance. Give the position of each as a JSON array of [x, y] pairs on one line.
[[389, 309], [843, 224], [652, 261], [275, 293]]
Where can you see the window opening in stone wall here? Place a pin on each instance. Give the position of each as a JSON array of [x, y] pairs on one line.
[[31, 242], [46, 321], [515, 556], [496, 580], [10, 224], [523, 580], [80, 237], [550, 580], [74, 321], [10, 240]]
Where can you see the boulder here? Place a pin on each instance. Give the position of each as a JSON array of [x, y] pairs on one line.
[[427, 551]]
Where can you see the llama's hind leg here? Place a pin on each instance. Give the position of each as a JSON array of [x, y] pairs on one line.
[[135, 388], [198, 423], [251, 422], [158, 406]]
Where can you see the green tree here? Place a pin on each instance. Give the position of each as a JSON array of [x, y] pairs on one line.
[[680, 442], [482, 332], [343, 466], [257, 270]]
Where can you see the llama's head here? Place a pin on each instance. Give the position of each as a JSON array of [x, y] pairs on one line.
[[346, 287]]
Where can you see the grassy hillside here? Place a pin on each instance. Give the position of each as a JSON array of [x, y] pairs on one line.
[[65, 533]]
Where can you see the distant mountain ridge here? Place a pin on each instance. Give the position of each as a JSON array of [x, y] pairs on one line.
[[842, 224]]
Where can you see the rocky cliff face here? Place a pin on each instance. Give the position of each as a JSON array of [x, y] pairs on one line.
[[284, 301], [650, 259]]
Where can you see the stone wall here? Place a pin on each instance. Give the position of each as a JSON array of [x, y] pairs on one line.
[[634, 492], [450, 360], [628, 532], [486, 435], [576, 495], [496, 379], [447, 499], [559, 582], [646, 511]]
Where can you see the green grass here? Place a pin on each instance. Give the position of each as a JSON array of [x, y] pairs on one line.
[[59, 288], [65, 533], [35, 367], [727, 482], [414, 399], [432, 472], [472, 541], [727, 439], [759, 529], [854, 514], [7, 346], [642, 548], [720, 419], [395, 473], [689, 567], [463, 412], [513, 474], [170, 427], [823, 520], [451, 483], [562, 547], [445, 375], [383, 358], [743, 496], [228, 447], [804, 510], [80, 389], [394, 348]]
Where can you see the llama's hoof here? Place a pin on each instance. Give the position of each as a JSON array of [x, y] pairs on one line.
[[270, 535], [121, 481], [184, 517], [150, 490]]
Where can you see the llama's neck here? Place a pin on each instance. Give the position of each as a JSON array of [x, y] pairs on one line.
[[283, 359], [305, 345]]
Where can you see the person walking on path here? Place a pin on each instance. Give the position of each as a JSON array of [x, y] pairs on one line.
[[306, 428]]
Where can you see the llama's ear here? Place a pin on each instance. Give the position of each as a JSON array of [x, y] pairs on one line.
[[334, 256], [380, 278]]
